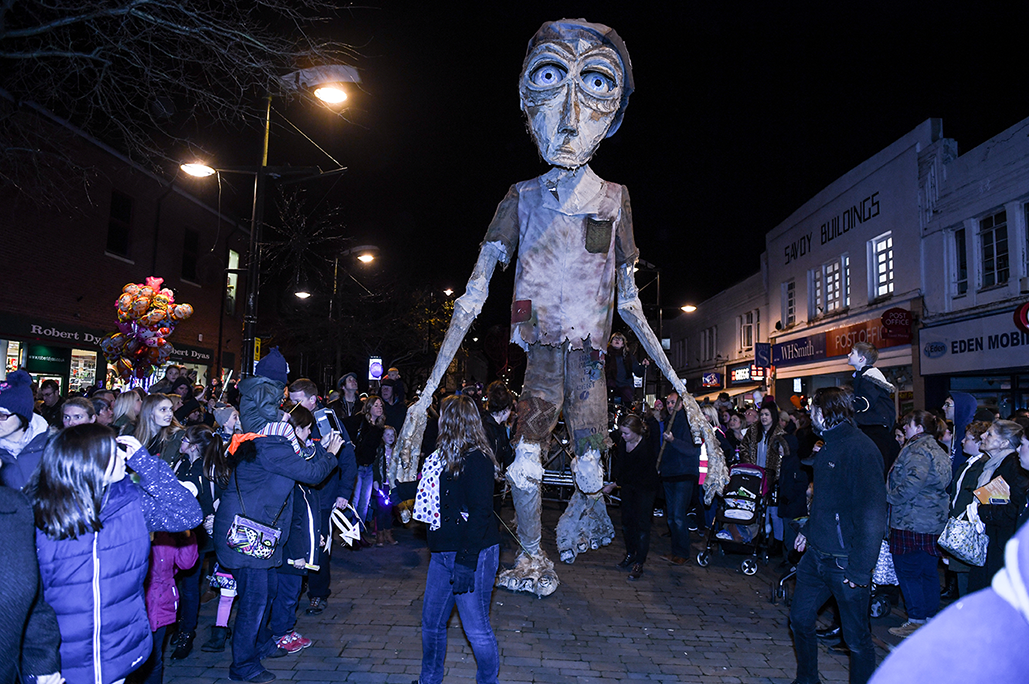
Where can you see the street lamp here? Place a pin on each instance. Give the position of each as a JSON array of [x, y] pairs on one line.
[[688, 308], [326, 83]]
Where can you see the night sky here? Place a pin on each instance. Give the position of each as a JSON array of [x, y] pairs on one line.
[[742, 112]]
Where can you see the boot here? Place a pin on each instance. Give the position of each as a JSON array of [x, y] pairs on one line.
[[216, 644], [627, 561], [183, 645], [950, 592]]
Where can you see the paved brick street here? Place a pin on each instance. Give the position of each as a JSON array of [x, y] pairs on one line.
[[676, 624]]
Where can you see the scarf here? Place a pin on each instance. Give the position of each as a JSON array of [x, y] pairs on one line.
[[992, 465], [426, 501]]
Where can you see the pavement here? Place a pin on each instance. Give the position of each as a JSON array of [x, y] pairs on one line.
[[675, 624]]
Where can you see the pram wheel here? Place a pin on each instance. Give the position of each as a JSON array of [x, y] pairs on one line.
[[703, 559], [749, 566], [880, 606]]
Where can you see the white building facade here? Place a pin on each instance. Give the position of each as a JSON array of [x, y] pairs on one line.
[[975, 265]]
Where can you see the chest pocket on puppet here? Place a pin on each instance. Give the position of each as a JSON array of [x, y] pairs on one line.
[[598, 235]]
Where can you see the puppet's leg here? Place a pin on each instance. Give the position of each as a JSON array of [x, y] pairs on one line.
[[538, 409], [585, 524]]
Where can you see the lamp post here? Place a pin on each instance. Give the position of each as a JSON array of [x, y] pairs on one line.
[[326, 81], [366, 254]]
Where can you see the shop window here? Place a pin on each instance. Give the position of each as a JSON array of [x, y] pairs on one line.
[[748, 325], [119, 224], [231, 282], [993, 244], [83, 370], [960, 263], [190, 254], [882, 265], [789, 303]]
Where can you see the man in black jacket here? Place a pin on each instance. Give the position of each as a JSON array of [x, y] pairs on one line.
[[679, 467], [842, 537]]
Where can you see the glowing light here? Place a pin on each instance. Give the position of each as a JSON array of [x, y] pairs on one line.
[[331, 93], [197, 170], [688, 308]]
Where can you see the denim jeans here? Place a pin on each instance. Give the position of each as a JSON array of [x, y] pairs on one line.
[[251, 638], [284, 604], [472, 607], [152, 671], [363, 491], [819, 576], [919, 583], [678, 496]]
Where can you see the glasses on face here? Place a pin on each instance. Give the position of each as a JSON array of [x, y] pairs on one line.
[[47, 395]]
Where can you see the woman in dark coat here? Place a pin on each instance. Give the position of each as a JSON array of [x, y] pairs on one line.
[[455, 498], [635, 471], [1001, 444]]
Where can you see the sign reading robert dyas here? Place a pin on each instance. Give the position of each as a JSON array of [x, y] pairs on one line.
[[979, 344]]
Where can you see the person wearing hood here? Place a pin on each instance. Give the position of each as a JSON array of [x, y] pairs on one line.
[[874, 412], [980, 638], [23, 434], [261, 488], [960, 410]]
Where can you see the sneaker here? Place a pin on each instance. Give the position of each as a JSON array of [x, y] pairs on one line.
[[724, 535], [293, 642], [905, 630], [183, 642], [636, 572], [317, 606], [674, 560]]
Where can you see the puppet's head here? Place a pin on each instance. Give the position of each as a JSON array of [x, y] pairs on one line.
[[575, 85]]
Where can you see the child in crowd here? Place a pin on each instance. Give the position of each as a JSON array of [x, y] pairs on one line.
[[168, 553]]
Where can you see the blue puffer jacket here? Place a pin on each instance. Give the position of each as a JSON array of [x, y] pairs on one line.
[[95, 582]]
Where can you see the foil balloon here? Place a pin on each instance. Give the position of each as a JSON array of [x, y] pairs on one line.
[[147, 315]]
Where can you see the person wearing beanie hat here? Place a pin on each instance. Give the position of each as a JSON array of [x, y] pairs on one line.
[[227, 419], [23, 434], [261, 394]]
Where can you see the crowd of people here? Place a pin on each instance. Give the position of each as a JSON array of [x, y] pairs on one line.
[[185, 490]]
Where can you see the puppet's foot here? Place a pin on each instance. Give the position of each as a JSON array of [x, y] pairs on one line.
[[531, 574], [584, 526]]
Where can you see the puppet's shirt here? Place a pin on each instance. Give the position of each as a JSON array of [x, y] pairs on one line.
[[571, 231]]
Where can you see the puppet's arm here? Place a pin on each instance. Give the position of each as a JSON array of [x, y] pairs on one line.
[[631, 311], [466, 308]]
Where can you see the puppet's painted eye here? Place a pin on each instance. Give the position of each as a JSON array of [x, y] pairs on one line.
[[547, 75], [598, 83]]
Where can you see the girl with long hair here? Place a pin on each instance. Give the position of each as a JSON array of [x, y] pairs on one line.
[[157, 428], [455, 498], [366, 446], [383, 476], [199, 444], [635, 471], [126, 413], [93, 544]]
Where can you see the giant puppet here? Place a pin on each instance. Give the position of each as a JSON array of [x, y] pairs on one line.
[[572, 235]]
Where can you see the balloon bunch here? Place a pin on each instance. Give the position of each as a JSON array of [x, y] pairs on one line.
[[147, 315]]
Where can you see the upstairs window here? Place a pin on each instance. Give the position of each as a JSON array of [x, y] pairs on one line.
[[830, 287], [789, 303], [708, 342], [993, 243], [882, 263], [748, 326], [119, 224], [960, 263]]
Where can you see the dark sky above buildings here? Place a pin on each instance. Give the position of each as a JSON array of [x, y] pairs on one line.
[[742, 112]]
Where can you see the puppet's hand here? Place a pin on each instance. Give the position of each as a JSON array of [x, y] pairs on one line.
[[411, 438]]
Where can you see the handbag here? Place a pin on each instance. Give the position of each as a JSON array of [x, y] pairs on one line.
[[251, 537], [966, 541]]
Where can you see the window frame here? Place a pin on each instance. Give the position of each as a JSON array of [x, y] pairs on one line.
[[875, 271], [993, 273]]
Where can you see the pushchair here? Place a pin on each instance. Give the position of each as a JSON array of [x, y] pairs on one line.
[[742, 504]]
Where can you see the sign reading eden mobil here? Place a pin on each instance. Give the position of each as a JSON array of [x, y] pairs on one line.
[[801, 350], [979, 344]]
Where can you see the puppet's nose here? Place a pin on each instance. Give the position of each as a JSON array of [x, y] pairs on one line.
[[569, 124]]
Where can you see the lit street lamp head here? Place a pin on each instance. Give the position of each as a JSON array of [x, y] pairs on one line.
[[197, 170]]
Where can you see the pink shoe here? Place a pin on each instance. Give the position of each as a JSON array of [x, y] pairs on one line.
[[293, 642]]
